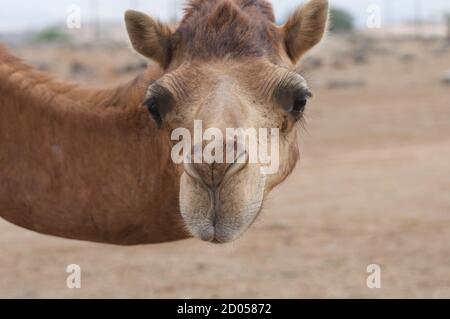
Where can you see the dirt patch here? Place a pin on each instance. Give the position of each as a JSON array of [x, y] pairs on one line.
[[373, 187]]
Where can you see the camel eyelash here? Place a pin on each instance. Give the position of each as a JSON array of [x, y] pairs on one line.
[[292, 83], [158, 91], [159, 102], [292, 89]]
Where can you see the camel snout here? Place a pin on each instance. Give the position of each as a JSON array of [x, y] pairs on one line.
[[219, 201], [211, 176], [217, 233]]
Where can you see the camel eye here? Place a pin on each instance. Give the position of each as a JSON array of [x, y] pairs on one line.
[[293, 99], [159, 102], [153, 108], [299, 105]]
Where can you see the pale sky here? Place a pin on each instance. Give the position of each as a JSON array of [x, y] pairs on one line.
[[18, 15]]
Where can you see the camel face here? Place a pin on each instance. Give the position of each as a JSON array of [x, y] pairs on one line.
[[229, 67], [219, 199]]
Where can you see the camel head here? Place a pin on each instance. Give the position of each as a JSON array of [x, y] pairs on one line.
[[229, 91]]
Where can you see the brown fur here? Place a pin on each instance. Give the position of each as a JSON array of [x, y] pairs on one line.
[[217, 28], [83, 163], [305, 28], [148, 37], [90, 164]]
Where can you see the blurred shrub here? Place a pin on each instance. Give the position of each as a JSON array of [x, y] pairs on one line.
[[341, 20], [51, 35]]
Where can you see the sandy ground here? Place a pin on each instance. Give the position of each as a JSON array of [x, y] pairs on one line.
[[373, 187]]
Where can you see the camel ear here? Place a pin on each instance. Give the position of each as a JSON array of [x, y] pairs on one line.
[[149, 37], [305, 28]]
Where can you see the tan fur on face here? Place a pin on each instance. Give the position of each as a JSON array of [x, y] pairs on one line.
[[230, 94]]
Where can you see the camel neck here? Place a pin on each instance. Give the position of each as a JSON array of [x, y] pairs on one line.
[[17, 79], [84, 163]]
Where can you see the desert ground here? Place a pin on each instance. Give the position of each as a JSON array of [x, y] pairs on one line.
[[372, 187]]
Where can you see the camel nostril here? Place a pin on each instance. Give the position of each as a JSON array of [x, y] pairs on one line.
[[190, 169], [239, 163], [212, 175]]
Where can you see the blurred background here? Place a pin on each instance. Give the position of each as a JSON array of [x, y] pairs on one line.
[[373, 185]]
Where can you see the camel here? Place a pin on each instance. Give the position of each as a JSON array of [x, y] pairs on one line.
[[95, 164]]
